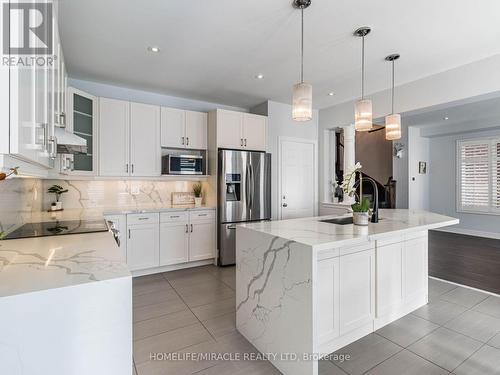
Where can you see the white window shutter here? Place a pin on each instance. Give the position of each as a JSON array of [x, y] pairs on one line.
[[495, 175]]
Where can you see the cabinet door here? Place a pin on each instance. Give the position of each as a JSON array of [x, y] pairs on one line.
[[229, 129], [196, 130], [202, 240], [174, 243], [254, 132], [415, 269], [142, 246], [114, 128], [357, 292], [145, 149], [173, 127], [389, 278], [328, 299]]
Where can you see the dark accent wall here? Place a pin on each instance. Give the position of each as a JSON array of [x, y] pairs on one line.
[[374, 153]]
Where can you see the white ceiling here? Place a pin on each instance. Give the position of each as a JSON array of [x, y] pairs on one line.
[[211, 50]]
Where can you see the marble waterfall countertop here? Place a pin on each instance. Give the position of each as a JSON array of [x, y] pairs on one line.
[[312, 232], [41, 263]]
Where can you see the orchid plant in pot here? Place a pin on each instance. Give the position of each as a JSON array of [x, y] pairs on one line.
[[361, 207]]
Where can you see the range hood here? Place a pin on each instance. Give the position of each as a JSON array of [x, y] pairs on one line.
[[69, 143]]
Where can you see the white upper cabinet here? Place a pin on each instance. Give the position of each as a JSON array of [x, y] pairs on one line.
[[145, 150], [242, 131], [254, 132], [196, 130], [183, 129], [114, 134], [173, 122]]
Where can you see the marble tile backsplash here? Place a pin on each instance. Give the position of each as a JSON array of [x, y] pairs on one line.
[[19, 198], [115, 193]]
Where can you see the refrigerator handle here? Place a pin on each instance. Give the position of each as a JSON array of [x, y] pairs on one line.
[[252, 186], [247, 183]]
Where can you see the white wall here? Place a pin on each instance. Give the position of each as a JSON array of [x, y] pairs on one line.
[[444, 178], [281, 124], [467, 81], [140, 96], [418, 184]]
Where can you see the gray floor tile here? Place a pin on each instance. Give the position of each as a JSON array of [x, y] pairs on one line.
[[145, 279], [464, 297], [439, 311], [407, 330], [172, 275], [165, 323], [203, 294], [154, 298], [153, 285], [241, 368], [438, 287], [170, 341], [486, 361], [477, 325], [407, 363], [214, 309], [445, 348], [490, 306], [158, 309], [192, 280], [495, 341], [221, 325], [366, 353], [328, 368]]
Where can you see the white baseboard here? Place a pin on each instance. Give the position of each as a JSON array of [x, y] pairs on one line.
[[465, 286], [174, 267], [470, 232]]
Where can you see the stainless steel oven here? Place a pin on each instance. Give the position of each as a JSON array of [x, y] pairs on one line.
[[182, 164]]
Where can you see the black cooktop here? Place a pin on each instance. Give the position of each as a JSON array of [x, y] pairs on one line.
[[57, 228]]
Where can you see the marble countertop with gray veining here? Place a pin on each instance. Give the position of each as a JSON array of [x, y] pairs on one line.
[[41, 263], [311, 231]]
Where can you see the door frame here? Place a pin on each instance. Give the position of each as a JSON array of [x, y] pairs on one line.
[[314, 142]]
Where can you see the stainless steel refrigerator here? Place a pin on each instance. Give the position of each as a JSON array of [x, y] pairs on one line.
[[244, 195]]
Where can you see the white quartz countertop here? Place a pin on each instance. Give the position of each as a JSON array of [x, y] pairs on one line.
[[311, 231], [34, 264]]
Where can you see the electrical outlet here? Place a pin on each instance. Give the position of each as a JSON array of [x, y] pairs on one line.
[[134, 190]]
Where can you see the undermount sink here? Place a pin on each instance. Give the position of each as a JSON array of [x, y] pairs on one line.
[[344, 220]]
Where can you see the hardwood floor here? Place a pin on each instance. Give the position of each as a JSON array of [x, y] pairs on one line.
[[467, 260]]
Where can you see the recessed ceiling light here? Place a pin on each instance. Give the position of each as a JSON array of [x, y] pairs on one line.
[[259, 76], [446, 118], [331, 93], [154, 49]]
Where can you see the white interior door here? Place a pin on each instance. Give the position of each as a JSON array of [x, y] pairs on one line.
[[298, 178]]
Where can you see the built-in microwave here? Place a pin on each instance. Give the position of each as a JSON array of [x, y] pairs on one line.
[[182, 164]]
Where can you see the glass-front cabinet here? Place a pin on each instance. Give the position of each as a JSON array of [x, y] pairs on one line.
[[82, 122]]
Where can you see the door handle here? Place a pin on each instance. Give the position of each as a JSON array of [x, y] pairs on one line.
[[285, 205]]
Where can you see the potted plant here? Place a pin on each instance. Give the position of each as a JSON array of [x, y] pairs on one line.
[[361, 206], [58, 191], [197, 189]]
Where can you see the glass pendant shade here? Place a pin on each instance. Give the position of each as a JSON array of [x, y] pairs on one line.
[[363, 115], [393, 127], [302, 102]]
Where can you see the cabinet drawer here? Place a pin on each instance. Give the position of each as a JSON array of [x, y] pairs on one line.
[[146, 218], [174, 216], [202, 215]]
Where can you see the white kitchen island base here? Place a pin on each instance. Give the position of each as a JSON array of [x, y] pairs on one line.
[[305, 288]]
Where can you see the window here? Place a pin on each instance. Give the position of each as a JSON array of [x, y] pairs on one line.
[[478, 171]]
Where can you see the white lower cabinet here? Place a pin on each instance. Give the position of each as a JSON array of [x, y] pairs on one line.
[[390, 278], [142, 241], [156, 240], [357, 290], [415, 268], [328, 299]]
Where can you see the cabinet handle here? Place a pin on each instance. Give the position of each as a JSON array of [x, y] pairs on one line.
[[142, 218], [187, 141], [132, 168], [126, 167], [62, 121], [174, 216], [245, 142], [202, 214], [187, 228], [191, 228], [129, 233], [182, 140], [53, 147], [241, 141]]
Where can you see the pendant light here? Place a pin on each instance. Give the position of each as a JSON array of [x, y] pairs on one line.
[[363, 108], [302, 92], [392, 121]]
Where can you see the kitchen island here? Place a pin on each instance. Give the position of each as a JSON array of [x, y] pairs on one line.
[[65, 306], [306, 288]]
